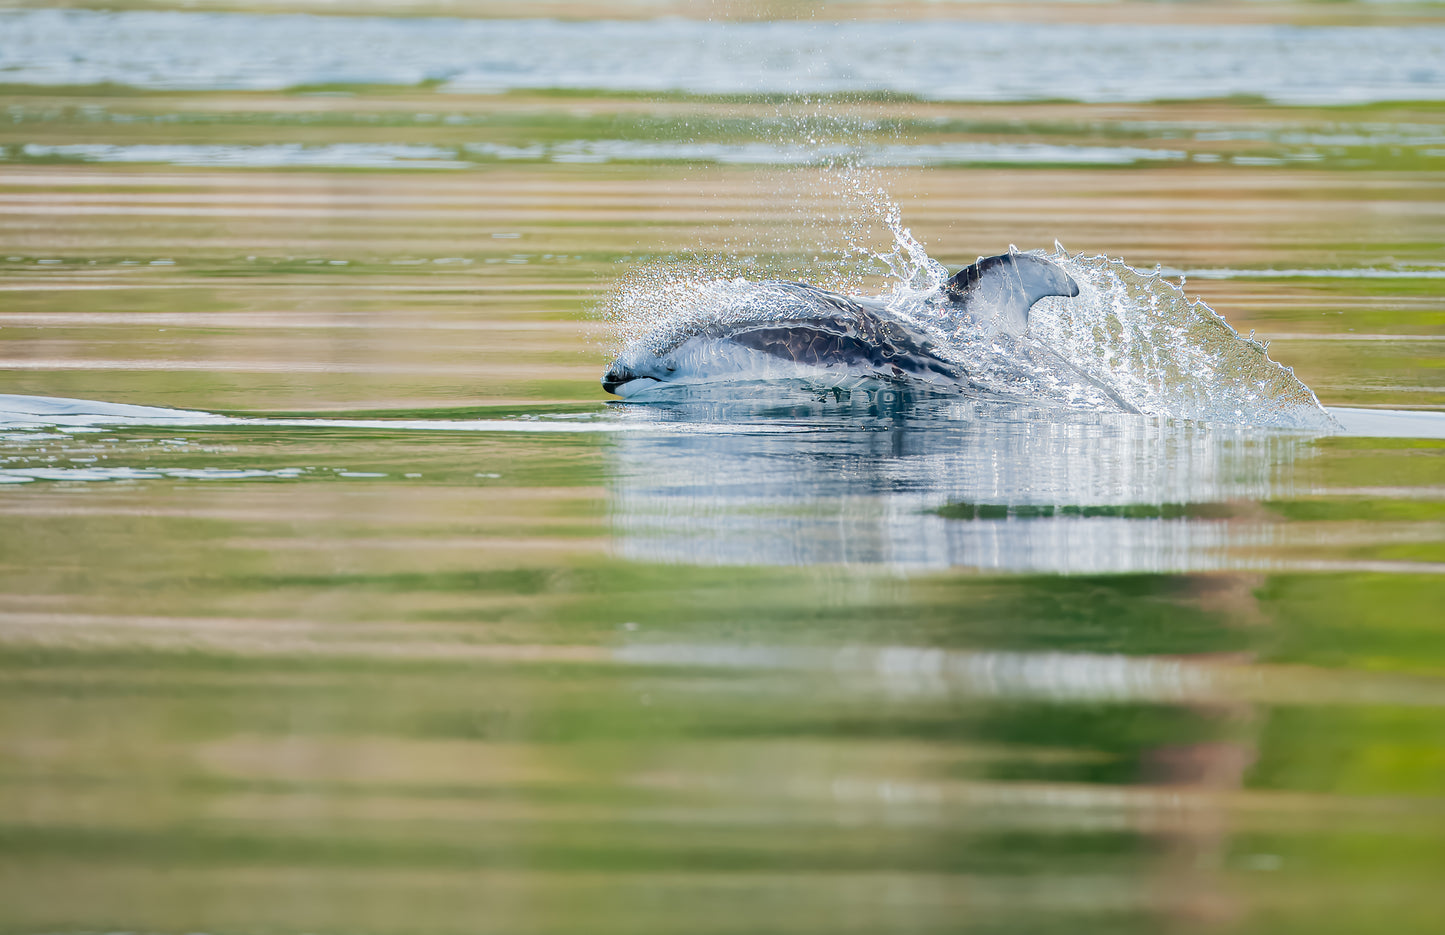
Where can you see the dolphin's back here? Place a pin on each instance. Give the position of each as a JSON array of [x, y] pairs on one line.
[[813, 327]]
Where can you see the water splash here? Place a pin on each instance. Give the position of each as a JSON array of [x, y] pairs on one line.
[[914, 276], [658, 298], [1164, 353], [1131, 341]]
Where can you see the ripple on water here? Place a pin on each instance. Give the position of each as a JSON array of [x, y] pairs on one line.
[[1004, 61], [407, 156]]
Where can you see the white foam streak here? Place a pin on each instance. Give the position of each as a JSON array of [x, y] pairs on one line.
[[1293, 273], [34, 413]]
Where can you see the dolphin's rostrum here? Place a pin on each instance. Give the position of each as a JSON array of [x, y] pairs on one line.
[[791, 329]]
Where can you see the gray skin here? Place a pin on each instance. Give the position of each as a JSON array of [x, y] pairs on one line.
[[803, 326]]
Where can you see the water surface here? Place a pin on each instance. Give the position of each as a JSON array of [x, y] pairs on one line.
[[405, 628]]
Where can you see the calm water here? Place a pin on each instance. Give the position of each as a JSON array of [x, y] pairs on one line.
[[383, 620], [932, 59]]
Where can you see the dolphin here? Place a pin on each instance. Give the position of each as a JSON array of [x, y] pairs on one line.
[[792, 329]]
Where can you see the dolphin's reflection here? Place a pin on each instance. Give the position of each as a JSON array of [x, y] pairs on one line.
[[884, 477]]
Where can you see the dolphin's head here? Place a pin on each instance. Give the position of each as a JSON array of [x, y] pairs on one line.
[[637, 368], [683, 356]]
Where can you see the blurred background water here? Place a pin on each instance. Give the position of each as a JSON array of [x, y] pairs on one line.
[[401, 627]]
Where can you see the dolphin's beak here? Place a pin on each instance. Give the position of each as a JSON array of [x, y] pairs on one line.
[[613, 378], [634, 386], [619, 381]]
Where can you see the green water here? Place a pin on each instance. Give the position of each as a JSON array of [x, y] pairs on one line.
[[527, 682]]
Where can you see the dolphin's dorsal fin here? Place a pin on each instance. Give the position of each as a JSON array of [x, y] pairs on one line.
[[1001, 289]]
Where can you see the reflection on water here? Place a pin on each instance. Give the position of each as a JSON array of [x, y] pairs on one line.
[[883, 479], [930, 673], [614, 671], [730, 475]]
